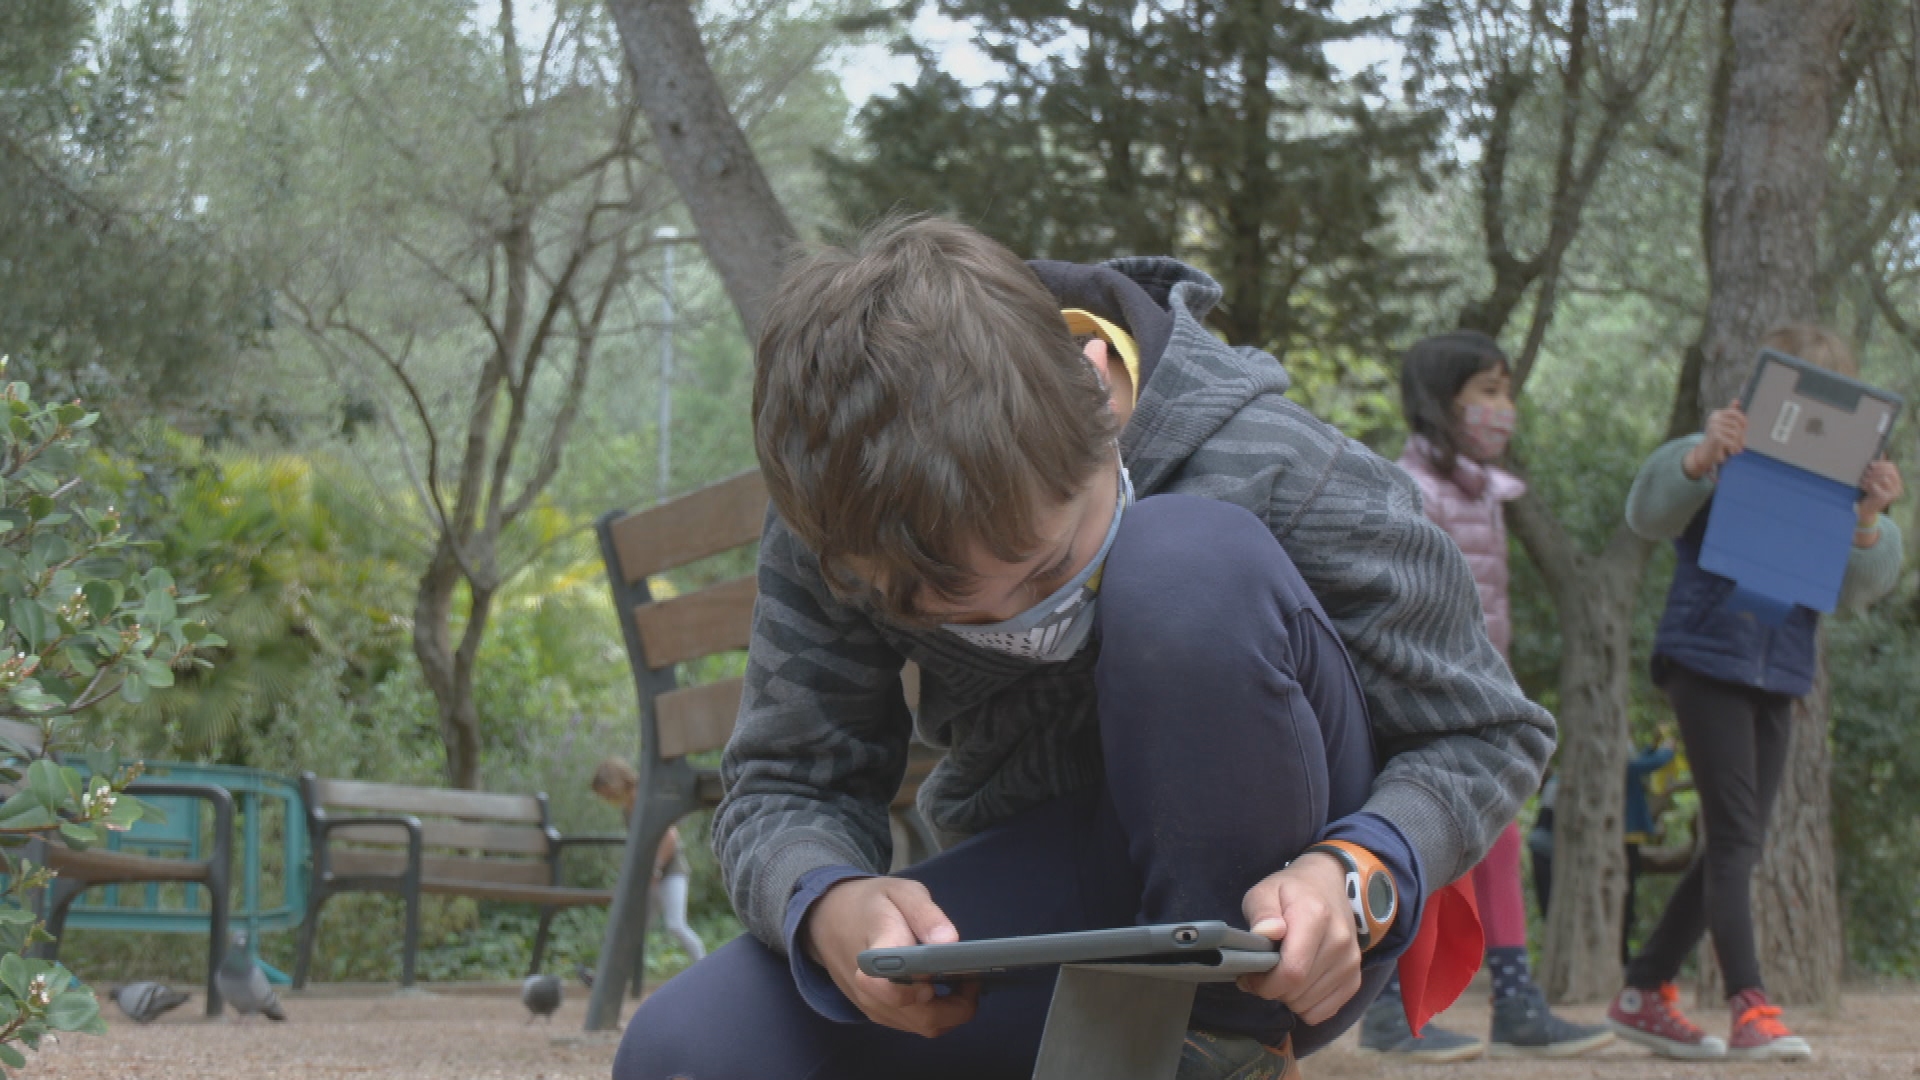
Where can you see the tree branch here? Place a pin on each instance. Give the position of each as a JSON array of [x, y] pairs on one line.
[[1552, 549], [562, 426], [1889, 311], [558, 296]]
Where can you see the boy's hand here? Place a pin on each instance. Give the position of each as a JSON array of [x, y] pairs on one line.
[[1304, 907], [1879, 488], [1726, 436], [878, 913]]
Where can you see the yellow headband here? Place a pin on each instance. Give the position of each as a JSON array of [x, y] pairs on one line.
[[1081, 322]]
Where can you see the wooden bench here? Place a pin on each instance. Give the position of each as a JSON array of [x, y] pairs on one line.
[[77, 871], [412, 841], [676, 722]]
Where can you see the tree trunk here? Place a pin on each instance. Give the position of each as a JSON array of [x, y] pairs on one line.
[[1767, 192], [1593, 594], [743, 228], [447, 676], [1594, 598], [1244, 316], [1769, 186], [1796, 889]]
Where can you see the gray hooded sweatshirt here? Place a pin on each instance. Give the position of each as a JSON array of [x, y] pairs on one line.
[[820, 747]]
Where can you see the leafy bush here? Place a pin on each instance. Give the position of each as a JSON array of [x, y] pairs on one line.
[[1876, 788], [79, 623], [310, 584]]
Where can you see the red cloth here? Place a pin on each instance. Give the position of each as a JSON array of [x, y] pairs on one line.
[[1497, 895], [1446, 951]]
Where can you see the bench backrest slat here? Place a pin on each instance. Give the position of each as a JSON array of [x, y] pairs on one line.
[[698, 718], [714, 519], [715, 619], [440, 868], [661, 633], [497, 839], [664, 632], [701, 718], [443, 802]]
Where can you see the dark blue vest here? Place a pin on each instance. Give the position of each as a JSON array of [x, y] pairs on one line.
[[1698, 633]]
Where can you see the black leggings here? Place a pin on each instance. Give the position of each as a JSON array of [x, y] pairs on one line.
[[1736, 739]]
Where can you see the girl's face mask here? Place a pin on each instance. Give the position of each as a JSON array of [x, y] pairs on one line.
[[1059, 626], [1485, 431]]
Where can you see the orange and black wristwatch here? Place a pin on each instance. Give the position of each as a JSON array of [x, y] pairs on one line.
[[1370, 889]]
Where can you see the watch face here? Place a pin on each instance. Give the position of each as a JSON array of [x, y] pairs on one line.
[[1380, 897]]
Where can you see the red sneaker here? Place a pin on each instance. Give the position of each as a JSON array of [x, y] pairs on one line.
[[1758, 1034], [1653, 1019]]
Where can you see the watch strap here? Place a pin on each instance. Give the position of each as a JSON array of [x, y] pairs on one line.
[[1365, 873]]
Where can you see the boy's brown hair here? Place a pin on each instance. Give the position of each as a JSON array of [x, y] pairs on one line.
[[916, 395], [1816, 345]]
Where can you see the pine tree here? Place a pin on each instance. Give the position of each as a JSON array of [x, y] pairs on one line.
[[1217, 131]]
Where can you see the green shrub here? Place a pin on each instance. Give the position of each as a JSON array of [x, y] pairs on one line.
[[1876, 788], [80, 623]]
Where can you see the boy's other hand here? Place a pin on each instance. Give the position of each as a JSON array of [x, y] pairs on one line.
[[1726, 436], [880, 913], [1304, 907], [1879, 488]]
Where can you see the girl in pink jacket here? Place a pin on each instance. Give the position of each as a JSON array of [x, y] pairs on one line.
[[1456, 392]]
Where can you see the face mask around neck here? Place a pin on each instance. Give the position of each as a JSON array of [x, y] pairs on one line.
[[1059, 626]]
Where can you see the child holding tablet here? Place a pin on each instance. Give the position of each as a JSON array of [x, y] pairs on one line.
[[1733, 680]]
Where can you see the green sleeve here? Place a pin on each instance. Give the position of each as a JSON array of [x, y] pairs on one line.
[[1663, 500], [1872, 572]]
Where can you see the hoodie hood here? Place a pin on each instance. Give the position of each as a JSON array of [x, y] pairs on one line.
[[1192, 382]]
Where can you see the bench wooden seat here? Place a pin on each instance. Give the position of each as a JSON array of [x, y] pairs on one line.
[[676, 721], [413, 841], [102, 867]]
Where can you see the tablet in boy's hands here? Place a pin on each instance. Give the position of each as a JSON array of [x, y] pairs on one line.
[[1204, 944]]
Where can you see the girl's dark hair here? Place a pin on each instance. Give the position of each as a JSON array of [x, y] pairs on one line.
[[1431, 375]]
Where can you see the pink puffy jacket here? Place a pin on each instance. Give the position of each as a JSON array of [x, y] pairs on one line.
[[1467, 505]]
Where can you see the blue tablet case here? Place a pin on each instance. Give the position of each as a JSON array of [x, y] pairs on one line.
[[1781, 534]]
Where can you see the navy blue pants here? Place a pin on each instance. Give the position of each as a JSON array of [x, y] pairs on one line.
[[1233, 730]]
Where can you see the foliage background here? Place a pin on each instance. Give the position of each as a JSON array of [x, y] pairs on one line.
[[157, 201]]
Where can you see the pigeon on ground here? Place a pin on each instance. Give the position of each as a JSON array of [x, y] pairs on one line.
[[244, 985], [541, 995], [586, 975], [145, 1002]]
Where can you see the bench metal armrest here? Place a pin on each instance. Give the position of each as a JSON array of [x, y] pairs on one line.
[[220, 799], [324, 825]]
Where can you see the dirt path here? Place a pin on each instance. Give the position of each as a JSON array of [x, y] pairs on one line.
[[1877, 1034], [384, 1036]]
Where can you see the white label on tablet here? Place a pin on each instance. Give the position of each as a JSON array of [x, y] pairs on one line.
[[1789, 416]]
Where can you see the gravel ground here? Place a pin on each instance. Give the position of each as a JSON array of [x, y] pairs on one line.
[[381, 1034], [1874, 1035], [377, 1034]]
